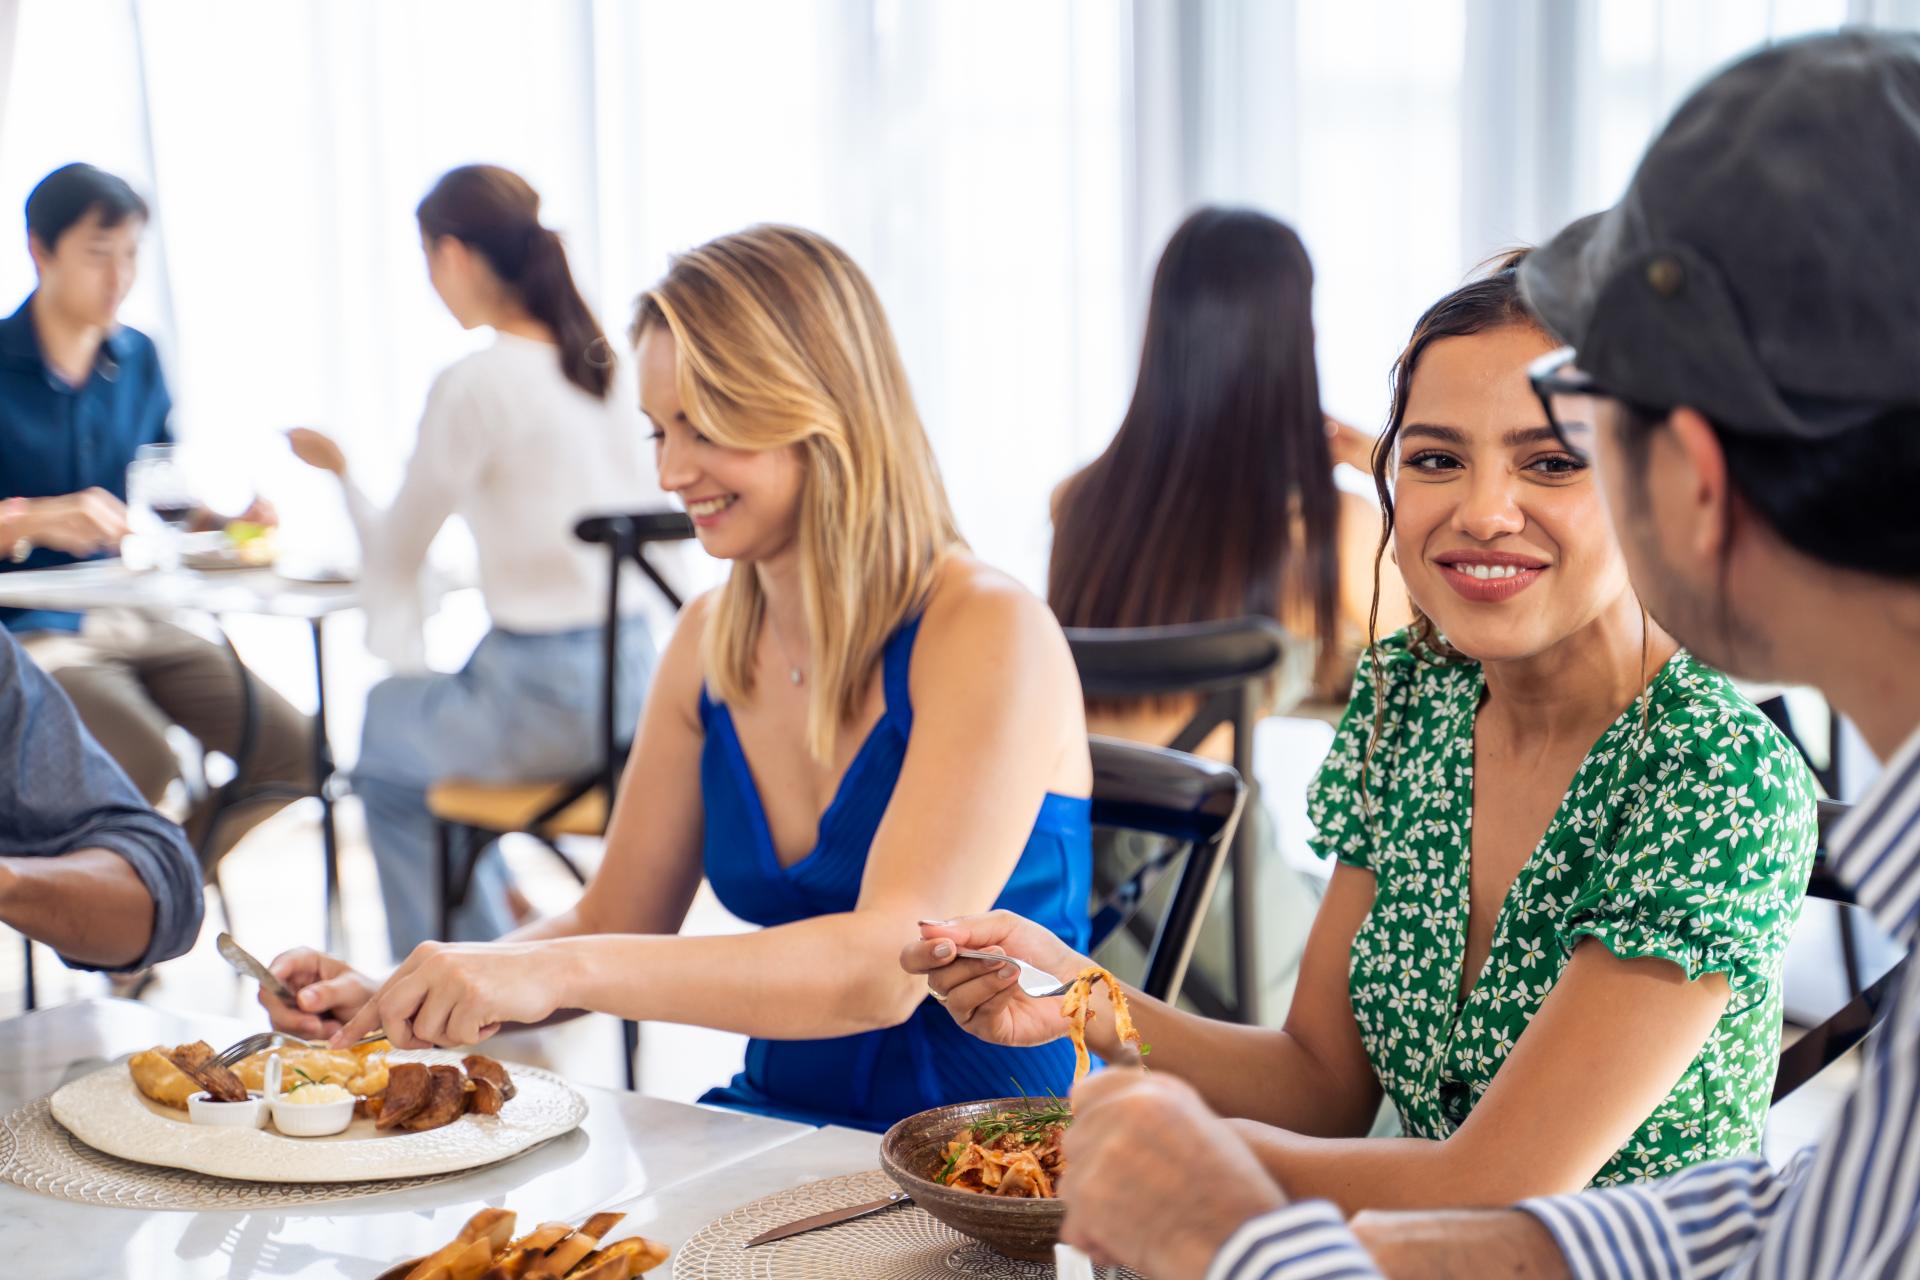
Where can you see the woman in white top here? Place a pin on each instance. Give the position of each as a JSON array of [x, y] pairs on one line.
[[520, 440]]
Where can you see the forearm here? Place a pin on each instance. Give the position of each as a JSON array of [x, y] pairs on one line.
[[1473, 1244], [88, 905], [826, 976], [1394, 1173], [563, 924], [1255, 1073]]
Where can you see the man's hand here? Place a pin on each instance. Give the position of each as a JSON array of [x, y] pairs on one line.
[[260, 512], [80, 524], [327, 991], [1154, 1180]]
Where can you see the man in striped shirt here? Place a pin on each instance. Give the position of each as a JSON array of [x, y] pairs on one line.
[[1745, 376]]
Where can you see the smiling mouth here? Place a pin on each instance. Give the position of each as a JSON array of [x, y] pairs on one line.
[[707, 508], [1490, 577]]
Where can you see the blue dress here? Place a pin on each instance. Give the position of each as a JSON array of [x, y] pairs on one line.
[[870, 1080]]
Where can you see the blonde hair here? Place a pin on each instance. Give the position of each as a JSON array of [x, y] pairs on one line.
[[781, 341]]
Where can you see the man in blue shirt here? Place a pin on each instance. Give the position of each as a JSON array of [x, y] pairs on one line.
[[79, 394], [86, 866]]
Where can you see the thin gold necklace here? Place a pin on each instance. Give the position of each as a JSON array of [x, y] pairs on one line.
[[795, 674]]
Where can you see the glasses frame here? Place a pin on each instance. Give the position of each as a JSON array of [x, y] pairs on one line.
[[1552, 375]]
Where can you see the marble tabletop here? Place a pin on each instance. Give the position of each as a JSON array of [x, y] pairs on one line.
[[670, 1166]]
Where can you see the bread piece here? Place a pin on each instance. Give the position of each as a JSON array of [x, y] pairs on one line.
[[155, 1076]]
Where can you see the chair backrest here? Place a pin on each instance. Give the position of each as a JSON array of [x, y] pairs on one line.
[[1228, 664], [1193, 806], [626, 536], [1225, 662], [1825, 1044]]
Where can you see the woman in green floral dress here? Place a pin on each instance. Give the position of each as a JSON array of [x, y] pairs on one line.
[[1569, 855]]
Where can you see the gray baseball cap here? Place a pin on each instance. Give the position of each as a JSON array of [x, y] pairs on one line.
[[1764, 264]]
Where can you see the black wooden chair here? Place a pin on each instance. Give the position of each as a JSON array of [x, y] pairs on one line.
[[470, 816], [1189, 808], [1228, 665], [1823, 1045]]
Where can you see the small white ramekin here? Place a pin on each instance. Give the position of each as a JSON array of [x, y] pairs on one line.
[[251, 1114], [312, 1119], [304, 1119]]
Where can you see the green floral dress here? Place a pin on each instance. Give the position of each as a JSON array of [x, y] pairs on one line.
[[1687, 833]]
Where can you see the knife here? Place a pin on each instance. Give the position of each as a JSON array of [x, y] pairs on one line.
[[832, 1217], [246, 966]]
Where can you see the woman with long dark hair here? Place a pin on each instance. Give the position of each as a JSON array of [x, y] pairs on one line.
[[1216, 497], [519, 439]]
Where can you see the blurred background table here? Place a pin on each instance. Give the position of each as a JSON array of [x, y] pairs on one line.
[[110, 584]]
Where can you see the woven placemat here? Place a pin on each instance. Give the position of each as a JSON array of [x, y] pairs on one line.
[[40, 1155], [904, 1243]]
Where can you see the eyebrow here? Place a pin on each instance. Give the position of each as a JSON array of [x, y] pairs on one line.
[[1512, 438]]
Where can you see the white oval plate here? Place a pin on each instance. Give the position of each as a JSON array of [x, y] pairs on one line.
[[105, 1111]]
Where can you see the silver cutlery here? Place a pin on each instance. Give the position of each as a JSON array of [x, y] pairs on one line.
[[247, 967], [253, 1044], [831, 1218], [1036, 982]]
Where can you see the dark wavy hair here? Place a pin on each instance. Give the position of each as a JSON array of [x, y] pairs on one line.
[[495, 213], [1218, 485], [1487, 302]]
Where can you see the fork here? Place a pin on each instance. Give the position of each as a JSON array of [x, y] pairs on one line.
[[1035, 982], [253, 1044]]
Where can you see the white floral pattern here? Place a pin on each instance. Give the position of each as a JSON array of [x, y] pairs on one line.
[[1687, 834]]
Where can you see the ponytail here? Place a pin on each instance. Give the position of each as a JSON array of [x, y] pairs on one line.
[[547, 290], [494, 212]]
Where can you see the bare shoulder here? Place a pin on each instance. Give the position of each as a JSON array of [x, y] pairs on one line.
[[990, 650], [681, 672], [977, 613]]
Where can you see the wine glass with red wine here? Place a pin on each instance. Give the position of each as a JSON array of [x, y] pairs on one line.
[[161, 501]]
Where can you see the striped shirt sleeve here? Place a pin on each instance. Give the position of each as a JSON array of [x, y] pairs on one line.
[[1694, 1224], [1300, 1242]]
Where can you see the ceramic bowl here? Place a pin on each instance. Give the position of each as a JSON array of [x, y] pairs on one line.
[[312, 1119], [910, 1152], [304, 1119], [251, 1114]]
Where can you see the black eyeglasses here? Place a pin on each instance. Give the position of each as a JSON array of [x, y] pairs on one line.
[[1568, 396], [1571, 398]]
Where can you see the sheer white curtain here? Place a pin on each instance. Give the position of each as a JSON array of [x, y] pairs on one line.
[[972, 157], [1410, 140], [1006, 171]]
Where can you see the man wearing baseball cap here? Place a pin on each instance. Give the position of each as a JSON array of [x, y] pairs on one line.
[[1744, 371]]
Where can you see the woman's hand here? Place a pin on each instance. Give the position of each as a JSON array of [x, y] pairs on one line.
[[327, 992], [983, 997], [1349, 444], [317, 449], [459, 993]]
